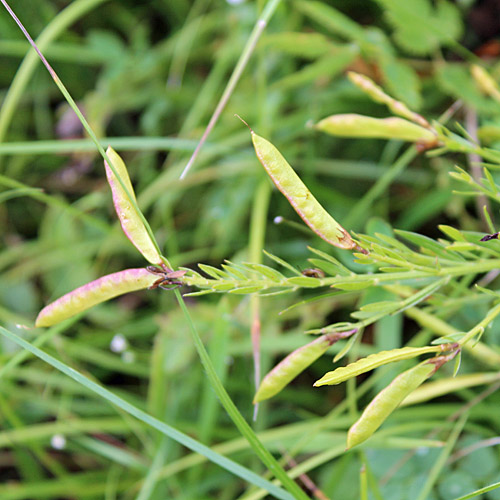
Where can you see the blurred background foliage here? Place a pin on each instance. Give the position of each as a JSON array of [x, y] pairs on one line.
[[148, 76]]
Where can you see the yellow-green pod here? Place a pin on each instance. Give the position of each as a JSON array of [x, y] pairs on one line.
[[93, 293], [386, 401], [295, 363], [301, 199], [485, 82], [131, 223], [353, 125], [378, 95]]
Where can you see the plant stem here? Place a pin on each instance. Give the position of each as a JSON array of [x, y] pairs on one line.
[[164, 428], [266, 457], [259, 27], [64, 19]]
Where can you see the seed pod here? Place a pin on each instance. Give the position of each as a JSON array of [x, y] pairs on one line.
[[93, 293], [376, 360], [378, 95], [131, 223], [386, 401], [301, 199], [485, 82], [295, 363], [353, 125]]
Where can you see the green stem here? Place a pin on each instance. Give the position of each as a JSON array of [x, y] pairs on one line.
[[269, 461], [358, 213], [84, 122], [259, 27], [164, 428], [257, 236], [64, 19]]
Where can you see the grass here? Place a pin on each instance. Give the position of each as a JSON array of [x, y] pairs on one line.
[[147, 421]]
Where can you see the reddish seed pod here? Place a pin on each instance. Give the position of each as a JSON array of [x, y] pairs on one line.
[[93, 293]]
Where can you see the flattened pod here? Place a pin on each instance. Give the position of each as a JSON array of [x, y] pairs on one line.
[[301, 199], [386, 401], [130, 221], [353, 125], [93, 293], [287, 369]]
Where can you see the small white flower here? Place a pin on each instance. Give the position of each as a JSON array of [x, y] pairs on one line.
[[118, 343], [58, 442]]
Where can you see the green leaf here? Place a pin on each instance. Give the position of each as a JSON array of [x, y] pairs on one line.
[[340, 268], [421, 28], [282, 263], [213, 272], [325, 266], [267, 271], [306, 282], [327, 66], [456, 81], [371, 362], [452, 232], [402, 81], [332, 19], [306, 45], [428, 243], [353, 285], [246, 289]]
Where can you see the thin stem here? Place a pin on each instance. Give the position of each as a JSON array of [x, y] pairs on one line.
[[233, 412], [361, 208], [85, 124], [164, 428], [257, 236], [64, 19], [259, 27]]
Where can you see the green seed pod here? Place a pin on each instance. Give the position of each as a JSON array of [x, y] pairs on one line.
[[370, 88], [130, 221], [373, 361], [353, 125], [485, 82], [301, 199], [93, 293], [294, 364], [386, 401]]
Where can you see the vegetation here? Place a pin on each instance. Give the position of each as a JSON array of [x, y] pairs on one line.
[[379, 123]]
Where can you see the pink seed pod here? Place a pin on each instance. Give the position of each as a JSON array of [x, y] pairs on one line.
[[93, 293], [131, 223]]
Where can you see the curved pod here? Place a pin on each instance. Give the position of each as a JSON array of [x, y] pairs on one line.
[[301, 199], [386, 401], [93, 293], [131, 223]]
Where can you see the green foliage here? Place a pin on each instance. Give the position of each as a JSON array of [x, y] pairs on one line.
[[420, 28], [121, 387]]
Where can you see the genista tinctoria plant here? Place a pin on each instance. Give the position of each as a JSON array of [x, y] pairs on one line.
[[418, 270], [414, 275]]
